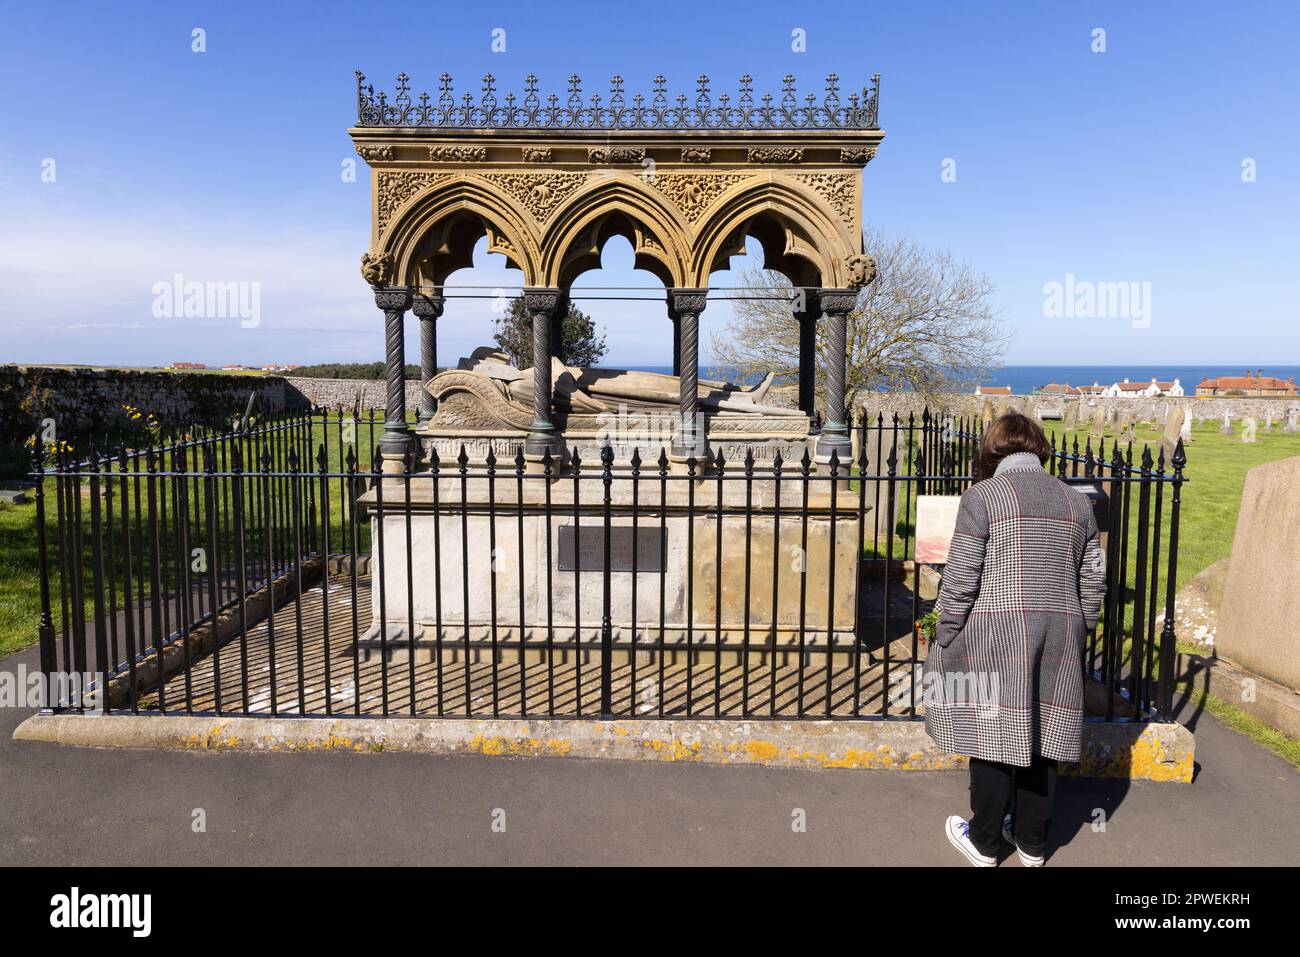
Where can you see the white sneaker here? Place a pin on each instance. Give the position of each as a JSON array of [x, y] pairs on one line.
[[1028, 860], [958, 831]]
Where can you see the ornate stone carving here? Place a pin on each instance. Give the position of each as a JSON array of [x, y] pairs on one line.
[[838, 189], [539, 192], [427, 307], [377, 269], [393, 298], [612, 155], [775, 154], [860, 270], [690, 301], [458, 154], [396, 187], [372, 154], [861, 155], [837, 301], [541, 300], [693, 192], [697, 154], [536, 154]]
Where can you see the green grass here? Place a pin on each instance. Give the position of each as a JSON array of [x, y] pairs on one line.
[[19, 558], [1270, 738]]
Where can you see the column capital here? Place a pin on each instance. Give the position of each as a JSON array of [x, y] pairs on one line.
[[427, 306], [688, 301], [542, 298], [393, 298], [837, 300]]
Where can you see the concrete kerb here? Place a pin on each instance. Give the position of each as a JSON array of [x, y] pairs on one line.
[[1136, 751]]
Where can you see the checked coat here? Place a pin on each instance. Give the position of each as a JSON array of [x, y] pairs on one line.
[[1024, 584]]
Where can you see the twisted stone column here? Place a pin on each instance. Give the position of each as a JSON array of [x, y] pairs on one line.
[[807, 320], [428, 309], [394, 301], [542, 305], [689, 438], [677, 337], [836, 304], [557, 328]]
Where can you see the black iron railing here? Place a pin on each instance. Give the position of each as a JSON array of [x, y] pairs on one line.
[[701, 110], [277, 569]]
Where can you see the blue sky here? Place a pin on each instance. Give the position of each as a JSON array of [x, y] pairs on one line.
[[1117, 166]]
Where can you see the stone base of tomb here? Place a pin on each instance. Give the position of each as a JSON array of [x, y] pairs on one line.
[[499, 551]]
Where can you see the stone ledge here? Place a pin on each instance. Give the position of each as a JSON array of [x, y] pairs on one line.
[[1151, 752], [1271, 703]]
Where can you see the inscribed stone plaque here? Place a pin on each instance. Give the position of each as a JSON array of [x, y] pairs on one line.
[[590, 555]]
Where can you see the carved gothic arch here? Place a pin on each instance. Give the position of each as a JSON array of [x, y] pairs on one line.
[[434, 233], [615, 204], [802, 235]]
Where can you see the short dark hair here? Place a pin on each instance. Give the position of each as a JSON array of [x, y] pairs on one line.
[[1009, 433]]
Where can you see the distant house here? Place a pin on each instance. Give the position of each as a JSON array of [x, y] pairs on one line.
[[992, 390], [1095, 389], [1062, 389], [187, 365], [237, 367], [1248, 384], [1143, 389], [278, 367]]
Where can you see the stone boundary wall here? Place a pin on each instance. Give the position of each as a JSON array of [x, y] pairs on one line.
[[335, 393], [81, 400], [1210, 408]]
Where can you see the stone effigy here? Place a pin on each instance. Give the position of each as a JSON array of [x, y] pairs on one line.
[[486, 401]]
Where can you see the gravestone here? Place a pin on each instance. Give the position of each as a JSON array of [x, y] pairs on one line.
[[986, 411], [1249, 425], [1227, 424], [1098, 427], [1186, 432], [1071, 415], [1124, 427], [1174, 424], [1268, 421], [1292, 421], [1261, 596]]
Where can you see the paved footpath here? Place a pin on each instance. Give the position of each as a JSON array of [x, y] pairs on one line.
[[75, 806]]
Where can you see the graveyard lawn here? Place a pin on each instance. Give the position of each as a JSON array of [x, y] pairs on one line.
[[1216, 472], [20, 599]]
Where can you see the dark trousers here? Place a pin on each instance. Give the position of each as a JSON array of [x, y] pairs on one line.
[[1025, 793]]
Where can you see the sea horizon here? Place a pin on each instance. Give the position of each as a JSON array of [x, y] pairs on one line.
[[1024, 379]]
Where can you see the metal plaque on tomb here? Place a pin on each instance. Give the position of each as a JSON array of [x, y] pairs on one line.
[[590, 551]]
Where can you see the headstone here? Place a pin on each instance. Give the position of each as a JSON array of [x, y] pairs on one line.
[[1249, 425], [1098, 427], [1071, 415], [1227, 424], [1124, 426], [1268, 421], [1262, 590], [1174, 425], [1185, 433], [1292, 421], [986, 411]]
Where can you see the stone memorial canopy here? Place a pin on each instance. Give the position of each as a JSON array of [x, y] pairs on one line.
[[685, 178]]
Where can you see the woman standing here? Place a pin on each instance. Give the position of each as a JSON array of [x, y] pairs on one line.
[[1004, 680]]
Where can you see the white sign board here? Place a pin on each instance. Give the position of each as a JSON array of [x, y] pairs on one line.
[[936, 522]]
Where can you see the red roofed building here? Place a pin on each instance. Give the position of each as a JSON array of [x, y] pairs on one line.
[[993, 390], [1248, 384]]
